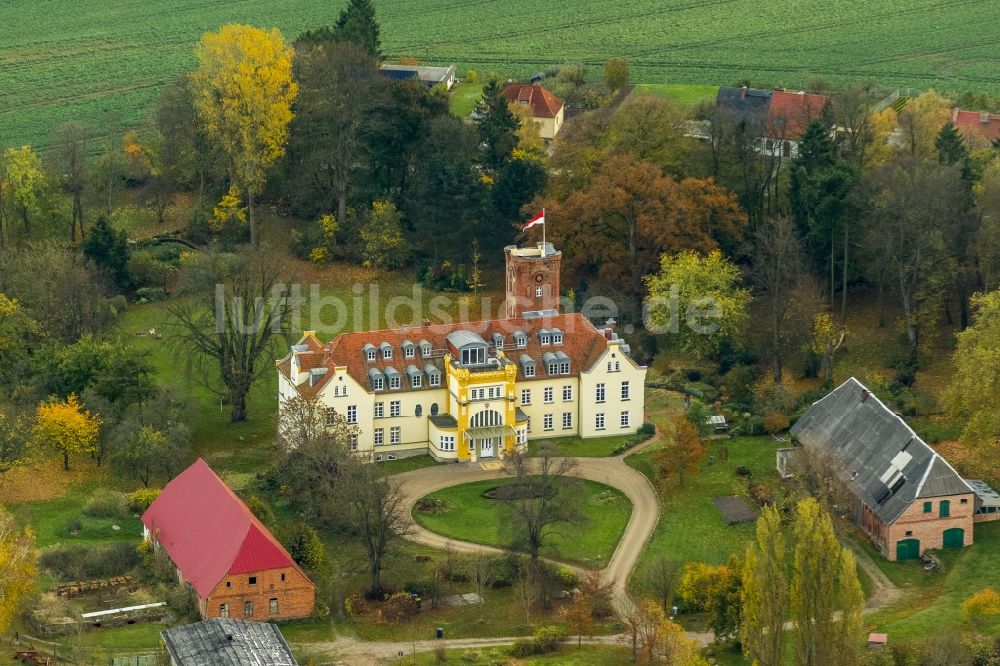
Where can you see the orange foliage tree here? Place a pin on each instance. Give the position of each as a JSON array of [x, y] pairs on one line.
[[682, 453]]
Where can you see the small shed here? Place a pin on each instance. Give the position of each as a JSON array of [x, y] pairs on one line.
[[877, 641], [784, 461], [718, 423]]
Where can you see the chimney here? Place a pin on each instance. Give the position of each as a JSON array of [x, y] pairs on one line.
[[954, 115], [743, 92], [864, 395]]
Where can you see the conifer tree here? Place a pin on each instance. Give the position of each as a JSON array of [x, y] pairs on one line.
[[497, 126], [951, 150]]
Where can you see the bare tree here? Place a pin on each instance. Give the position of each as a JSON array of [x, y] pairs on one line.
[[378, 515], [526, 589], [481, 569], [540, 500], [777, 266], [235, 326], [662, 578], [71, 163]]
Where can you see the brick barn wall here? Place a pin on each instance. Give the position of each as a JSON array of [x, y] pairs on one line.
[[928, 527], [296, 595]]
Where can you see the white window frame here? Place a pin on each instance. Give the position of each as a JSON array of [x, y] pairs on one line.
[[352, 413], [372, 354], [545, 339], [387, 353], [625, 420], [525, 396], [394, 382], [626, 390], [409, 352], [354, 441], [330, 416], [567, 420], [416, 381], [522, 436], [547, 422], [521, 341], [378, 384], [446, 442], [395, 434], [564, 367], [379, 410], [567, 393], [395, 408], [547, 395], [557, 338], [599, 421], [529, 370], [600, 392], [538, 291], [378, 437], [434, 379]]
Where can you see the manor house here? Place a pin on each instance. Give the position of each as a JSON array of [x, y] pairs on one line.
[[475, 390]]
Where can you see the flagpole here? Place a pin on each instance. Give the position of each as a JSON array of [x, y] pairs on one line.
[[543, 232]]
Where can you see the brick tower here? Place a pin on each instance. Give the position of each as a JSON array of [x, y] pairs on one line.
[[532, 279]]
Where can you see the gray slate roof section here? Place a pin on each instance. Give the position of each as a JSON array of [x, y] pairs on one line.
[[461, 338], [227, 642], [444, 420], [736, 105], [860, 434]]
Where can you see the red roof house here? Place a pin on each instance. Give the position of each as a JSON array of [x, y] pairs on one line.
[[233, 562], [790, 113], [979, 130], [546, 108]]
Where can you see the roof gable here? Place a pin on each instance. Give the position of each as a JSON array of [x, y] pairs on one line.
[[208, 532], [542, 102], [880, 459]]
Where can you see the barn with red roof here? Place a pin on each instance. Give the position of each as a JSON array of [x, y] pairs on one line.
[[235, 565]]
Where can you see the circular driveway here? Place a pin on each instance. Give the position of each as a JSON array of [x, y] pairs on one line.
[[614, 472]]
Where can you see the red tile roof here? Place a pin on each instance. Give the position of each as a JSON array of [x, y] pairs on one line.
[[208, 532], [979, 129], [582, 343], [790, 113], [543, 103]]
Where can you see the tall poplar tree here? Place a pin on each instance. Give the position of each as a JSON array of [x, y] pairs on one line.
[[824, 584], [764, 595]]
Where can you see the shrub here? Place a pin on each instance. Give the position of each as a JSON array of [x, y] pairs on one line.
[[567, 577], [304, 545], [182, 600], [397, 608], [148, 271], [981, 607], [523, 647], [700, 585], [88, 562], [692, 374], [356, 605], [150, 294], [774, 422], [471, 76], [139, 500], [548, 638], [761, 494], [105, 503], [743, 470]]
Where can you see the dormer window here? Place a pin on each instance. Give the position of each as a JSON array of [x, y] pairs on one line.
[[557, 336], [370, 352], [416, 377], [551, 363], [498, 341], [433, 375], [409, 349], [377, 379], [520, 339], [469, 348], [386, 349], [394, 379], [544, 337], [474, 356], [425, 349], [394, 383], [527, 365], [563, 361]]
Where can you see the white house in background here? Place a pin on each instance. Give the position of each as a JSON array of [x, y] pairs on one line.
[[475, 390], [547, 110]]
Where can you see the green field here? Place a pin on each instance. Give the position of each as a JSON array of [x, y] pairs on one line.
[[472, 517], [93, 58]]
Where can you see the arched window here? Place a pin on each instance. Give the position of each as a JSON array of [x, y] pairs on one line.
[[420, 410], [486, 418], [434, 409]]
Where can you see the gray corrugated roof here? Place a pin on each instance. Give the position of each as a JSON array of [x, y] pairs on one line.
[[462, 338], [864, 438], [227, 642]]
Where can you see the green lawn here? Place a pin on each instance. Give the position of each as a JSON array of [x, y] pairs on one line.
[[51, 518], [390, 467], [594, 447], [463, 98], [690, 527], [472, 517], [683, 94]]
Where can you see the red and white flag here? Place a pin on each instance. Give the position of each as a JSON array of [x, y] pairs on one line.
[[538, 219]]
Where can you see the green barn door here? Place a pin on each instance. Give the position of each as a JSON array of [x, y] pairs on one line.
[[907, 549], [954, 538]]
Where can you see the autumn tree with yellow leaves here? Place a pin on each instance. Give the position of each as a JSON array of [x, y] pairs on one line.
[[17, 567], [243, 93], [66, 427]]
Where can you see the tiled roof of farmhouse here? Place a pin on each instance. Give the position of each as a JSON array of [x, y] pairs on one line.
[[582, 343], [208, 532], [979, 129], [543, 103], [880, 459], [791, 112]]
